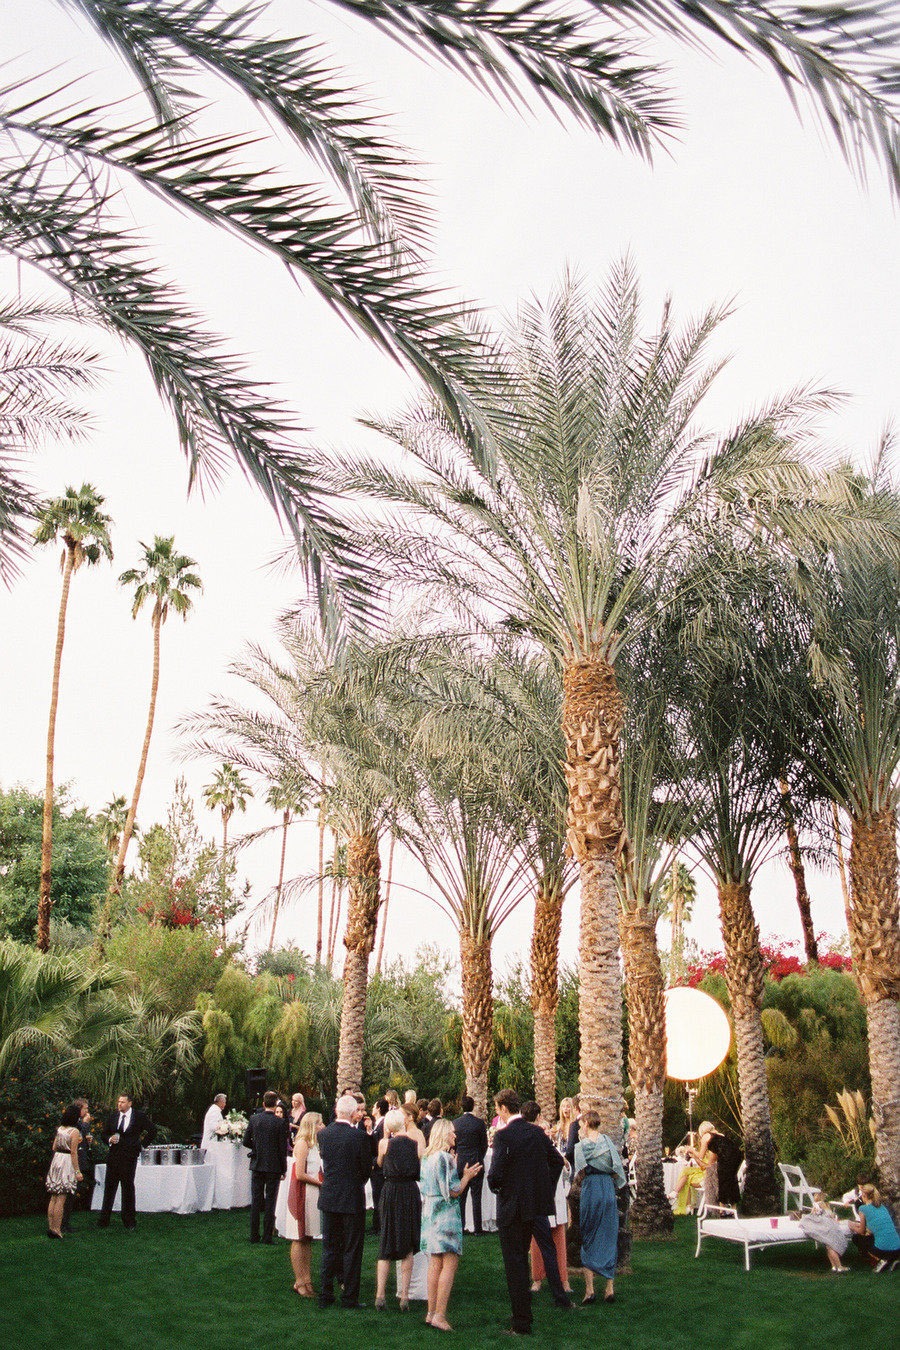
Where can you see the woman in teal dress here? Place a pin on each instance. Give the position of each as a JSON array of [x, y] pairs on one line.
[[597, 1161], [442, 1231]]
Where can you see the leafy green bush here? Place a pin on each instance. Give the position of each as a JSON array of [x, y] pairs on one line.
[[31, 1105], [80, 862]]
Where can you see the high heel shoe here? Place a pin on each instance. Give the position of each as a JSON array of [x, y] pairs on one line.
[[404, 1305], [588, 1298], [381, 1305]]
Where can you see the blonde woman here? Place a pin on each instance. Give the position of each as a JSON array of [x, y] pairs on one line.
[[303, 1222], [400, 1208], [392, 1100], [703, 1158], [874, 1232], [441, 1218], [560, 1131], [410, 1115]]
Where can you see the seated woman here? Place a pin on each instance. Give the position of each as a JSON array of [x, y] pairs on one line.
[[874, 1232], [703, 1159], [821, 1225]]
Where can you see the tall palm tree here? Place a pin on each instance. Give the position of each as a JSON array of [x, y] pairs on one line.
[[167, 578], [850, 630], [228, 792], [76, 519], [289, 794], [358, 234], [568, 535]]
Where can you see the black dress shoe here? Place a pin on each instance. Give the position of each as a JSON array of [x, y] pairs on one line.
[[353, 1307], [326, 1302], [565, 1303], [103, 1223], [254, 1242], [268, 1242]]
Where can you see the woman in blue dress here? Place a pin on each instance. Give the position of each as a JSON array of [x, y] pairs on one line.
[[441, 1187], [597, 1161]]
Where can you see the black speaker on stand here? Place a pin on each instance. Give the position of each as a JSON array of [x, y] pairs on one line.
[[255, 1081]]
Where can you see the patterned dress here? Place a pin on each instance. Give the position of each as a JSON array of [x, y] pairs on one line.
[[61, 1179], [441, 1216]]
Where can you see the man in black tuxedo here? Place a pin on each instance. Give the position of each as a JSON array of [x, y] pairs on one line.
[[346, 1155], [471, 1146], [379, 1112], [267, 1137], [524, 1171], [127, 1131]]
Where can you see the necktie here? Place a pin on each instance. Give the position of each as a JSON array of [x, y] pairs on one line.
[[121, 1124]]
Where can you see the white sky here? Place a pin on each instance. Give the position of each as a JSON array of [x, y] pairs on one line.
[[751, 206]]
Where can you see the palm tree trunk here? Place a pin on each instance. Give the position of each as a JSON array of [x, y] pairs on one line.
[[874, 922], [321, 889], [477, 1016], [592, 727], [545, 992], [363, 881], [651, 1213], [744, 978], [384, 905], [128, 829], [798, 871], [226, 816], [44, 900], [285, 820]]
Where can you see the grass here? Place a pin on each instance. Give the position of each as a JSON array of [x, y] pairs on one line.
[[195, 1283]]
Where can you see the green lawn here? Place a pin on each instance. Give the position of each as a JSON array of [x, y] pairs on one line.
[[195, 1283]]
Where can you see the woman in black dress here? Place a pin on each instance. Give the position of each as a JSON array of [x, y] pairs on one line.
[[400, 1205]]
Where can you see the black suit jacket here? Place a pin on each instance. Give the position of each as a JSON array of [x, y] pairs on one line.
[[425, 1125], [471, 1138], [524, 1171], [130, 1143], [346, 1167], [267, 1137]]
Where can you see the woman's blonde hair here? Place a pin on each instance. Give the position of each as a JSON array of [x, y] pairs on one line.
[[705, 1127], [308, 1128], [439, 1138], [409, 1110], [870, 1194], [565, 1111], [394, 1122], [392, 1099]]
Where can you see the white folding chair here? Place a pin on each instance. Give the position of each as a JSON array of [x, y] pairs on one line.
[[796, 1186]]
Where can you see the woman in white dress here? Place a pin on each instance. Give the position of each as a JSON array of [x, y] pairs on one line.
[[64, 1174], [302, 1222]]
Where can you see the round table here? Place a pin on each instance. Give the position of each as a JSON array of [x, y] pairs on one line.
[[169, 1189], [673, 1171], [231, 1162]]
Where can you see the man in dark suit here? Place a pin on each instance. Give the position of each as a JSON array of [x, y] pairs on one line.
[[433, 1111], [127, 1131], [82, 1197], [524, 1171], [379, 1112], [471, 1146], [267, 1137], [346, 1155]]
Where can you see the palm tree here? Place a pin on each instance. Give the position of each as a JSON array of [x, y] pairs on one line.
[[677, 896], [596, 482], [39, 378], [850, 631], [228, 792], [83, 527], [357, 236], [111, 822], [165, 577], [289, 794]]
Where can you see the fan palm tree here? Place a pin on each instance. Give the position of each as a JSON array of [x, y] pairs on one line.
[[290, 794], [356, 235], [111, 822], [165, 577], [228, 792], [76, 519], [598, 480]]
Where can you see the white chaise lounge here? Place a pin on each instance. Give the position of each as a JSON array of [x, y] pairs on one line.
[[720, 1221]]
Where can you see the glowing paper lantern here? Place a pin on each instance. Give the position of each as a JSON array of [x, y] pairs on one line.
[[698, 1034]]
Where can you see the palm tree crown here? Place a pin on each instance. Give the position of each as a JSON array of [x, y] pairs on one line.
[[78, 521], [164, 576]]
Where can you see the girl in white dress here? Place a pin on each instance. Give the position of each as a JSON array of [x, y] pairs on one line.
[[64, 1174], [303, 1222]]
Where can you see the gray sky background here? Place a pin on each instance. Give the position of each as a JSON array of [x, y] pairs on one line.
[[751, 206]]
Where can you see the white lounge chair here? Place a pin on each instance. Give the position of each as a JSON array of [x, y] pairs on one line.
[[721, 1221]]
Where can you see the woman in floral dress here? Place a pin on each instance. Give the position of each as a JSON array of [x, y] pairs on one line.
[[441, 1218]]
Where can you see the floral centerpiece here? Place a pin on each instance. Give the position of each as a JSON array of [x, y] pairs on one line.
[[232, 1126]]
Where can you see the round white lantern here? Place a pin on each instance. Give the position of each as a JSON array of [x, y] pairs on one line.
[[698, 1034]]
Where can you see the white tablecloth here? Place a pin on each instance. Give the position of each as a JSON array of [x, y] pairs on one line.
[[673, 1171], [488, 1202], [171, 1189], [232, 1166]]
